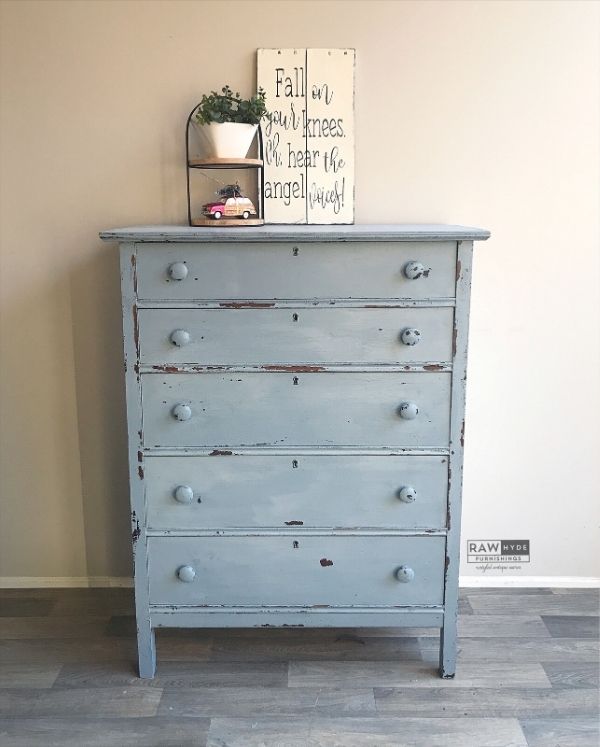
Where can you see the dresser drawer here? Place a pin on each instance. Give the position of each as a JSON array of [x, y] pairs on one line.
[[295, 270], [295, 570], [295, 336], [405, 492], [304, 409]]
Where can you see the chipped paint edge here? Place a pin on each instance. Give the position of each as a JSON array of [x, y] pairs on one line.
[[310, 303], [300, 617], [427, 367]]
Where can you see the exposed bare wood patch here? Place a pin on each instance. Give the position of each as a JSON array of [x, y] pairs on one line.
[[247, 304], [135, 534]]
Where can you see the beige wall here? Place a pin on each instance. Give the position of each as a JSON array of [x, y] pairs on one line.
[[484, 113]]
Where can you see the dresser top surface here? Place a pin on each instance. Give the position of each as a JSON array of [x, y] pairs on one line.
[[250, 234]]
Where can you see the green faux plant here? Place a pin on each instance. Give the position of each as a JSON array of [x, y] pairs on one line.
[[229, 107]]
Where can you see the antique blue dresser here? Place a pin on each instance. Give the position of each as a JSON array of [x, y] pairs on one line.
[[295, 405]]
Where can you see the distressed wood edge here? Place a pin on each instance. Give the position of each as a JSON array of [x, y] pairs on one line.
[[448, 637], [305, 617], [232, 451], [145, 634], [176, 368], [308, 233], [304, 531], [310, 303]]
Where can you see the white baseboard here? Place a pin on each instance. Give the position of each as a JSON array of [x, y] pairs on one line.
[[499, 582], [62, 582], [530, 582]]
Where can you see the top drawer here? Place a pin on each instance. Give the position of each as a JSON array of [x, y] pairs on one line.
[[244, 271]]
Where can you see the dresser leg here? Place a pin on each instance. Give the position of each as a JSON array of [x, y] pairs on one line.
[[448, 650], [146, 652]]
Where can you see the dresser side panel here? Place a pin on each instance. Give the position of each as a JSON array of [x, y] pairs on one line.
[[457, 431], [145, 635]]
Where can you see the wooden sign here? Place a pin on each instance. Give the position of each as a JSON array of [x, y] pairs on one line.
[[309, 143]]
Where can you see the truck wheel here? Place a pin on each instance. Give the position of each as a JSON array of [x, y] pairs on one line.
[[217, 215]]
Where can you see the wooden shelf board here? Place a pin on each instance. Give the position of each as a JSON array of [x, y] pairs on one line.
[[225, 163], [239, 222]]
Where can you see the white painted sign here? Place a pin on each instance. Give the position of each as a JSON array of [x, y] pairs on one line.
[[309, 143]]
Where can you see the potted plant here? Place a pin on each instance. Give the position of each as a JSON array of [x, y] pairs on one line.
[[227, 123]]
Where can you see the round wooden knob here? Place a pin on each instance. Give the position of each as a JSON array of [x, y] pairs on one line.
[[180, 337], [408, 410], [404, 574], [178, 271], [183, 494], [186, 574], [407, 494], [413, 270], [410, 336], [182, 412]]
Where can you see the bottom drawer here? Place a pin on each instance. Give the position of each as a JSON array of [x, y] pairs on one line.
[[296, 570]]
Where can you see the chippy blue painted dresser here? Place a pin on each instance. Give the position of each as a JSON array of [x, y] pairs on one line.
[[295, 403]]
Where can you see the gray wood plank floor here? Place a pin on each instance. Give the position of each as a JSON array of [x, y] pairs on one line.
[[527, 675]]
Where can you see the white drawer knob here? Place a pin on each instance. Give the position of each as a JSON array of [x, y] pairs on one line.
[[178, 271], [182, 412], [414, 270], [410, 336], [404, 574], [186, 574], [183, 494], [407, 494], [408, 410], [180, 337]]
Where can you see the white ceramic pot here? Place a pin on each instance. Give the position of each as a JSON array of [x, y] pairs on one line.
[[227, 139]]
